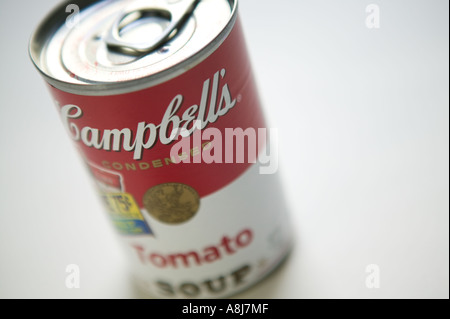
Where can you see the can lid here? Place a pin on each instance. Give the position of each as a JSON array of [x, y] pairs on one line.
[[111, 47]]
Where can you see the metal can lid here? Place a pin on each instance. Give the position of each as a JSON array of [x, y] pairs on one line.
[[110, 47]]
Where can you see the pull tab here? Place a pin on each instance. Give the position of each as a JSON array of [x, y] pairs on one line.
[[174, 16]]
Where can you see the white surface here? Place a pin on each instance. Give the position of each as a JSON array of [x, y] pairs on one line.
[[364, 123]]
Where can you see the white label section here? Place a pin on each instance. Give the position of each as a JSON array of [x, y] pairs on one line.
[[239, 234]]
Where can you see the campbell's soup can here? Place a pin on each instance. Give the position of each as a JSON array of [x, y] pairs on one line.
[[160, 100]]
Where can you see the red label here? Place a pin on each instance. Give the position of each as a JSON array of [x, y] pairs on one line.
[[130, 133]]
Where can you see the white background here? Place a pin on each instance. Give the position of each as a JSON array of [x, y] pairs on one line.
[[363, 116]]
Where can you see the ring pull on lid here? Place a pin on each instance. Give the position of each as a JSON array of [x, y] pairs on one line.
[[168, 18]]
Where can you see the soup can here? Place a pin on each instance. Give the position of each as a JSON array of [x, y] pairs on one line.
[[160, 100]]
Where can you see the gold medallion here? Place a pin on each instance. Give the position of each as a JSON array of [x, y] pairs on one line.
[[172, 203]]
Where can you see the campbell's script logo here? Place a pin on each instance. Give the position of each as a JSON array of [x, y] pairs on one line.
[[147, 134]]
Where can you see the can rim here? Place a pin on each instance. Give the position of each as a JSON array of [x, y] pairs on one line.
[[52, 22]]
